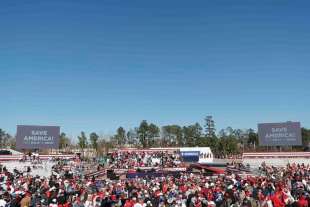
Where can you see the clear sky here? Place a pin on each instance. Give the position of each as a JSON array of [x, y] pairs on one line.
[[96, 65]]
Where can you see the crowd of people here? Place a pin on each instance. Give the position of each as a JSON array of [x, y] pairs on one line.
[[274, 187], [133, 159]]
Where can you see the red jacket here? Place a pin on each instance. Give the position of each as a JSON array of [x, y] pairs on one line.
[[302, 202], [277, 202], [129, 203]]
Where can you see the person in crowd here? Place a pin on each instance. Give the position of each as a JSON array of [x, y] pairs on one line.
[[274, 187]]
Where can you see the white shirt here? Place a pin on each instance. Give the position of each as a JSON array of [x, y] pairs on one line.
[[2, 203], [88, 203]]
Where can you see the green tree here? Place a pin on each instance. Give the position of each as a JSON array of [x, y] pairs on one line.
[[191, 134], [5, 139], [168, 139], [238, 133], [2, 137], [211, 142], [222, 133], [143, 133], [172, 135], [231, 145], [221, 148], [253, 138], [64, 141], [120, 136], [209, 126], [132, 136], [94, 140], [147, 133], [153, 132], [305, 134], [82, 141], [228, 142]]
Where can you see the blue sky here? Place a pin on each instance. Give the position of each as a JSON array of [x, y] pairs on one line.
[[96, 65]]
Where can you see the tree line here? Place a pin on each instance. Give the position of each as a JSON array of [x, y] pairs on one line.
[[227, 141]]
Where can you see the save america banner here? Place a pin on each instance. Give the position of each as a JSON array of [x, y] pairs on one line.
[[279, 134], [37, 137]]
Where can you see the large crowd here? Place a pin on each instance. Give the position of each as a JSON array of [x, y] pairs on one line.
[[273, 187], [133, 159]]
